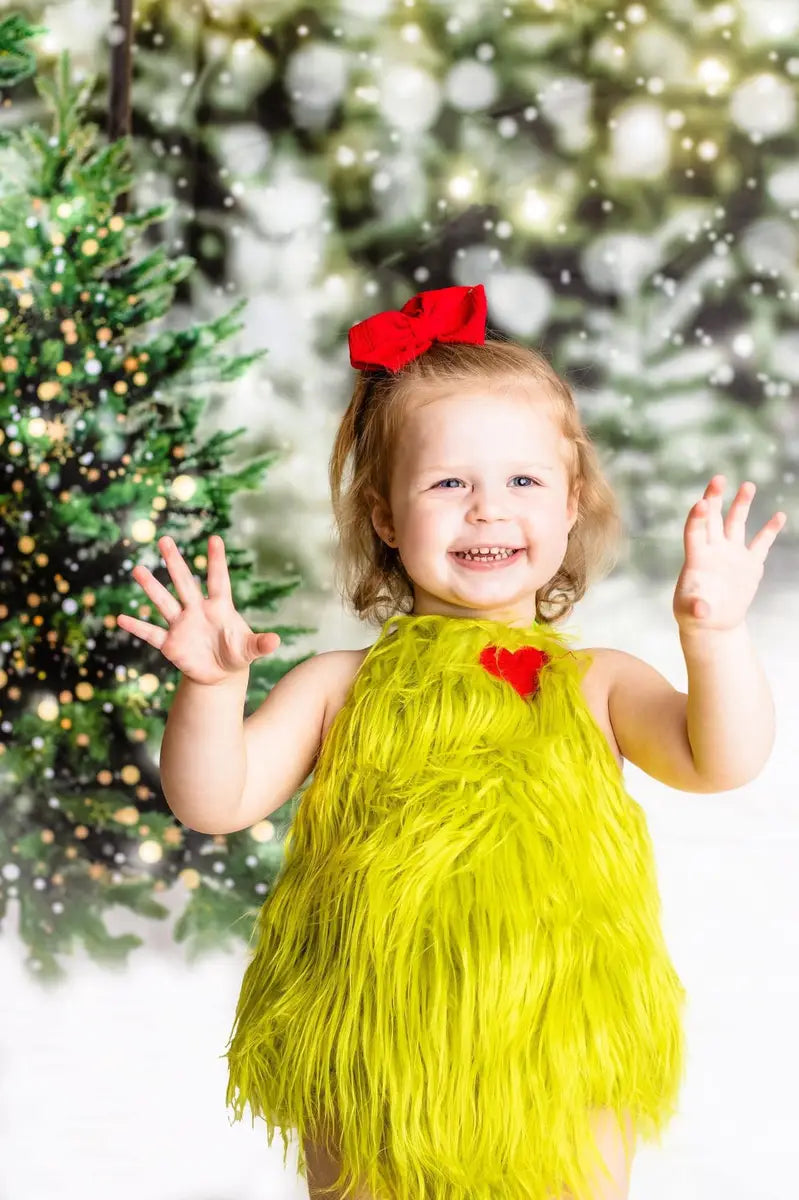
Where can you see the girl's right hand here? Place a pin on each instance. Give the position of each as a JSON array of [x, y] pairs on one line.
[[207, 639]]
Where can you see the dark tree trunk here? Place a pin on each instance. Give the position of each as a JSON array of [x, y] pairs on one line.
[[119, 81]]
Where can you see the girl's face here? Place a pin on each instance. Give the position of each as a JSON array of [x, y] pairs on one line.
[[475, 468]]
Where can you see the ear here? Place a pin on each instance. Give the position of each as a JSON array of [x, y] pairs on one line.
[[381, 517]]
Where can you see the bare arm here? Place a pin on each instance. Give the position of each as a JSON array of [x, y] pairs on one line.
[[648, 718], [730, 713], [203, 762], [222, 774], [714, 738]]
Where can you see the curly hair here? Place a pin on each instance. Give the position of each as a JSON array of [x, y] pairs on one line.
[[370, 574]]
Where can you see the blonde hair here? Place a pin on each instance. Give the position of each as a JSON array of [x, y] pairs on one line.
[[370, 574]]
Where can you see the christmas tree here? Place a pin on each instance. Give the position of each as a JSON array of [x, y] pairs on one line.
[[100, 456]]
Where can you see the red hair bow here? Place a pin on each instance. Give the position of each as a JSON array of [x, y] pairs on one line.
[[392, 339]]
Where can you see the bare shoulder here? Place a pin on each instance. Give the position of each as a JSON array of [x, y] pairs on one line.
[[600, 665], [596, 685], [344, 665], [619, 667], [607, 667], [341, 667]]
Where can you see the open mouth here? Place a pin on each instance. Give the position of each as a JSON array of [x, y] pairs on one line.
[[486, 561]]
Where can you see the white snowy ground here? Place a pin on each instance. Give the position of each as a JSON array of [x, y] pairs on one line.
[[113, 1088]]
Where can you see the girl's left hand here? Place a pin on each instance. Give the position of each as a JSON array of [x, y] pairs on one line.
[[721, 573]]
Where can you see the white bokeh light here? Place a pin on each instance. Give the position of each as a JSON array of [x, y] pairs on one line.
[[619, 262], [640, 142], [471, 86], [520, 301], [410, 98], [764, 104]]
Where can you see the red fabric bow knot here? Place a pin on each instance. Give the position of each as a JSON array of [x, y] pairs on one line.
[[391, 339], [517, 667]]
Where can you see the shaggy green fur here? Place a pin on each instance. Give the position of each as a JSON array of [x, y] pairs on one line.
[[462, 955]]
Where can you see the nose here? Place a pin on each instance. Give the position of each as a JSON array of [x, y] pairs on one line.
[[488, 504]]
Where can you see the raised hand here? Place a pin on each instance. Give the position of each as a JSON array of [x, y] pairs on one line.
[[207, 639], [721, 574]]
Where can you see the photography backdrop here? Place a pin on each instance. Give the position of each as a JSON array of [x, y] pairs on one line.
[[625, 182]]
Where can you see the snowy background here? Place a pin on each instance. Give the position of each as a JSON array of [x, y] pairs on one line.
[[666, 281]]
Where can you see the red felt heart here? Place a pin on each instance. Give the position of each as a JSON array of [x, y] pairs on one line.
[[517, 667]]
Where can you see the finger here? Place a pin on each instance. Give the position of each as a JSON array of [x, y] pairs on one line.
[[153, 634], [161, 597], [695, 532], [186, 585], [258, 645], [735, 524], [218, 576], [762, 542], [714, 496]]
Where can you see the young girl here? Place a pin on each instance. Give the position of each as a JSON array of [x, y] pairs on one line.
[[460, 988]]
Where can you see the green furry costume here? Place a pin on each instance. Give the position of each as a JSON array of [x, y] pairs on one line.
[[462, 955]]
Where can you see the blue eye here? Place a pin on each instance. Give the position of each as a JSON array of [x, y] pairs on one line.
[[535, 481]]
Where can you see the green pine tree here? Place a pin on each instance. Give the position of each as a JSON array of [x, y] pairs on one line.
[[99, 456], [17, 61]]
